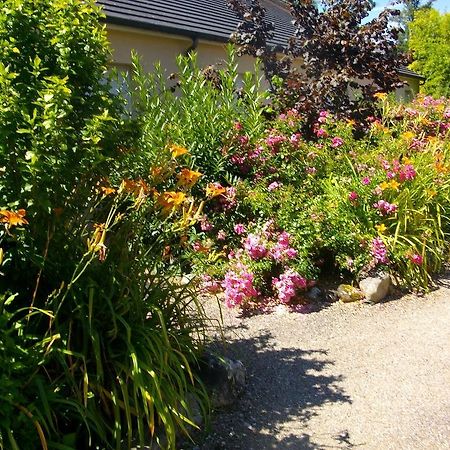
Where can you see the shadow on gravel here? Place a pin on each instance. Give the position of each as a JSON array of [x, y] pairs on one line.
[[283, 386]]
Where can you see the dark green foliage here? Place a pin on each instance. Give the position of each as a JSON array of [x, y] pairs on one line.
[[98, 348]]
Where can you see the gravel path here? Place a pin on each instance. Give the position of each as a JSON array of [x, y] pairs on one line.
[[348, 375]]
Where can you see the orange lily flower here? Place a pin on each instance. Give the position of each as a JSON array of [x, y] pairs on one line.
[[214, 190], [188, 177], [13, 219], [171, 200]]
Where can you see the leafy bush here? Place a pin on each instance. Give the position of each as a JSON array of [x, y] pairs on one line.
[[428, 42]]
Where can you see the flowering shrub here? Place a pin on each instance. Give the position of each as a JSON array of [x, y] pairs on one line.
[[376, 201]]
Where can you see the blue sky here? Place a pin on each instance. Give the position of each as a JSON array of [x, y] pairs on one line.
[[441, 5]]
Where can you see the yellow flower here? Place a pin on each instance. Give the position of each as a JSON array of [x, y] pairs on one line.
[[408, 135], [214, 190], [97, 242], [178, 150], [432, 192], [381, 228], [384, 185], [171, 200], [188, 177], [351, 122], [380, 95], [393, 184], [13, 219]]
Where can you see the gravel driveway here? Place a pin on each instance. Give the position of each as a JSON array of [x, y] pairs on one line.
[[345, 376]]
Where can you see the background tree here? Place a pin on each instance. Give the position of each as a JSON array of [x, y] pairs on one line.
[[430, 46], [409, 9]]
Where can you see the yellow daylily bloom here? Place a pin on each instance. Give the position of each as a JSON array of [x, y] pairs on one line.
[[188, 177], [408, 135], [393, 184], [380, 95], [178, 150], [381, 228]]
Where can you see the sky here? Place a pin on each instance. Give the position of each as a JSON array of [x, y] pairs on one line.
[[441, 5]]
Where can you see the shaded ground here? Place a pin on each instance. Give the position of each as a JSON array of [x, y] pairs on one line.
[[347, 376]]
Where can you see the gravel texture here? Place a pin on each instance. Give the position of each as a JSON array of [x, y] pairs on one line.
[[342, 376]]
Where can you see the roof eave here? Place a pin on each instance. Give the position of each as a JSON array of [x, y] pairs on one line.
[[164, 29]]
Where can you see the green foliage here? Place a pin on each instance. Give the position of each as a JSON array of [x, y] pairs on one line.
[[197, 110], [430, 45]]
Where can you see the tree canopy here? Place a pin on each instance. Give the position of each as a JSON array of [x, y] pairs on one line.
[[429, 44]]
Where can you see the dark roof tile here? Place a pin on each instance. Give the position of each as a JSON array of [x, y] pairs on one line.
[[211, 19]]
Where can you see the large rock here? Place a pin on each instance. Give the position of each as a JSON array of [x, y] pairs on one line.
[[347, 293], [225, 379], [376, 288]]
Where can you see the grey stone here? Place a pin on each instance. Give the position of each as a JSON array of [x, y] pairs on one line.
[[315, 294], [376, 288], [225, 379]]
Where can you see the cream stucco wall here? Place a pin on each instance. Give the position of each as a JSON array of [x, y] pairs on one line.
[[154, 47]]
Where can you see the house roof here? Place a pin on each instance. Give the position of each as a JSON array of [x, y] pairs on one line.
[[202, 19], [210, 19], [409, 73]]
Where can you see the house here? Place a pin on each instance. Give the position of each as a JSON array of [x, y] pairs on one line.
[[160, 30]]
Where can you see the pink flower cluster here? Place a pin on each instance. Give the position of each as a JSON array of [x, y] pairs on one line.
[[238, 286], [274, 140], [255, 246], [379, 251], [209, 284], [353, 197], [405, 172], [416, 259], [337, 142], [288, 284], [282, 249], [205, 224], [228, 199], [385, 208], [274, 186]]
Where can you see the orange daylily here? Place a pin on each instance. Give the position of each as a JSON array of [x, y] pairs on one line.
[[136, 187], [380, 95], [178, 150], [171, 200], [13, 219], [214, 190], [107, 190], [188, 177]]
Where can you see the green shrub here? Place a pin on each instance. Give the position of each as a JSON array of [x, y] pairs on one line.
[[100, 345]]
